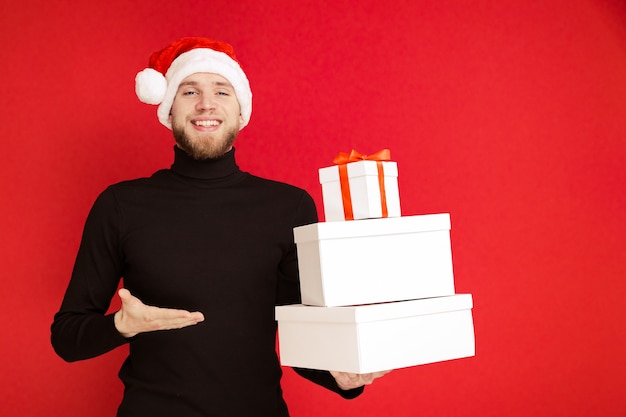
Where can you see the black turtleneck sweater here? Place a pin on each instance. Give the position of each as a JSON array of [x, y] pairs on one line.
[[201, 236]]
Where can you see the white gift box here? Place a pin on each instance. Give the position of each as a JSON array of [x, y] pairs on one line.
[[365, 193], [376, 337], [375, 260]]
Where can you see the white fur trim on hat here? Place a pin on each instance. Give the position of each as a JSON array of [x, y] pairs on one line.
[[202, 60]]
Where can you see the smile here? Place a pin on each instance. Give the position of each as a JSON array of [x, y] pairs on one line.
[[206, 123]]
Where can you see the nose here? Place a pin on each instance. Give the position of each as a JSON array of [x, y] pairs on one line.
[[206, 102]]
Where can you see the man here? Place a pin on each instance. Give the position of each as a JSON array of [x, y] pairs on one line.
[[205, 252]]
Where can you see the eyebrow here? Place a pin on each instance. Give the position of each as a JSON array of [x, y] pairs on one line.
[[214, 83]]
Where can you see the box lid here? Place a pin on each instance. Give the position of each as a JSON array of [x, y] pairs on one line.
[[358, 169], [374, 312], [372, 227]]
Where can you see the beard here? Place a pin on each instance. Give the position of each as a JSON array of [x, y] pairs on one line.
[[204, 148]]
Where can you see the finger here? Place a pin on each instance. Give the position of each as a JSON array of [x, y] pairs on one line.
[[167, 318], [181, 316], [352, 377], [340, 377], [127, 297], [344, 379], [381, 373], [123, 293], [197, 316], [172, 323], [157, 313], [162, 313], [366, 379]]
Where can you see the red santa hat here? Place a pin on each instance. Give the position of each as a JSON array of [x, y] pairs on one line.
[[158, 83]]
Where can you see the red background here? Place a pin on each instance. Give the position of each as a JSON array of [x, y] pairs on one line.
[[510, 115]]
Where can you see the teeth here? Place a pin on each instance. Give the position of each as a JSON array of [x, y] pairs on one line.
[[206, 123]]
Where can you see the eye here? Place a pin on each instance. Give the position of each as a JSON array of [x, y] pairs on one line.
[[189, 93]]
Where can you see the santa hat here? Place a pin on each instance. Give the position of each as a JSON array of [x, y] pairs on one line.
[[158, 83]]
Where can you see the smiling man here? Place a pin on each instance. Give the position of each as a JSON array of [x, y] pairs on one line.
[[205, 116], [205, 252]]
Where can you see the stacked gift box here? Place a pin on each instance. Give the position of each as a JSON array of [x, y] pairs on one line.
[[377, 287]]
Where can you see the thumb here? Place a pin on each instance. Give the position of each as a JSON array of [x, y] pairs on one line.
[[125, 295]]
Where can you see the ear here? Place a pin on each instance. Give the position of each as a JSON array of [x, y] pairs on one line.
[[240, 118]]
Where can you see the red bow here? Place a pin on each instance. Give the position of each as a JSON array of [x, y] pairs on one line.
[[342, 159], [353, 156]]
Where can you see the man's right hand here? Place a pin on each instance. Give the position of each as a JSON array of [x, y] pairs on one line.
[[135, 317]]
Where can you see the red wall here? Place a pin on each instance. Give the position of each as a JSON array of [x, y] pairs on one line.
[[510, 115]]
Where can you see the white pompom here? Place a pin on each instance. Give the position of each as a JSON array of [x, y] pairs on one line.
[[150, 86]]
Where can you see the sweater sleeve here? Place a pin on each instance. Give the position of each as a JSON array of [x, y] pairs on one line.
[[289, 293], [82, 329]]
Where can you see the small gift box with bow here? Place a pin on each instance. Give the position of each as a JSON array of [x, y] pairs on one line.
[[360, 187]]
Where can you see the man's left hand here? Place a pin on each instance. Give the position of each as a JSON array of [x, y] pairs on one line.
[[347, 380]]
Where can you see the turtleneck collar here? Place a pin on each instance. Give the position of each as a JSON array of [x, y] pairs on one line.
[[206, 169]]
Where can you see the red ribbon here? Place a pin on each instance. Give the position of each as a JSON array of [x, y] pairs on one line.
[[343, 159]]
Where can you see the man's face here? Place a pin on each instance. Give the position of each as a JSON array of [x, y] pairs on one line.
[[205, 115]]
